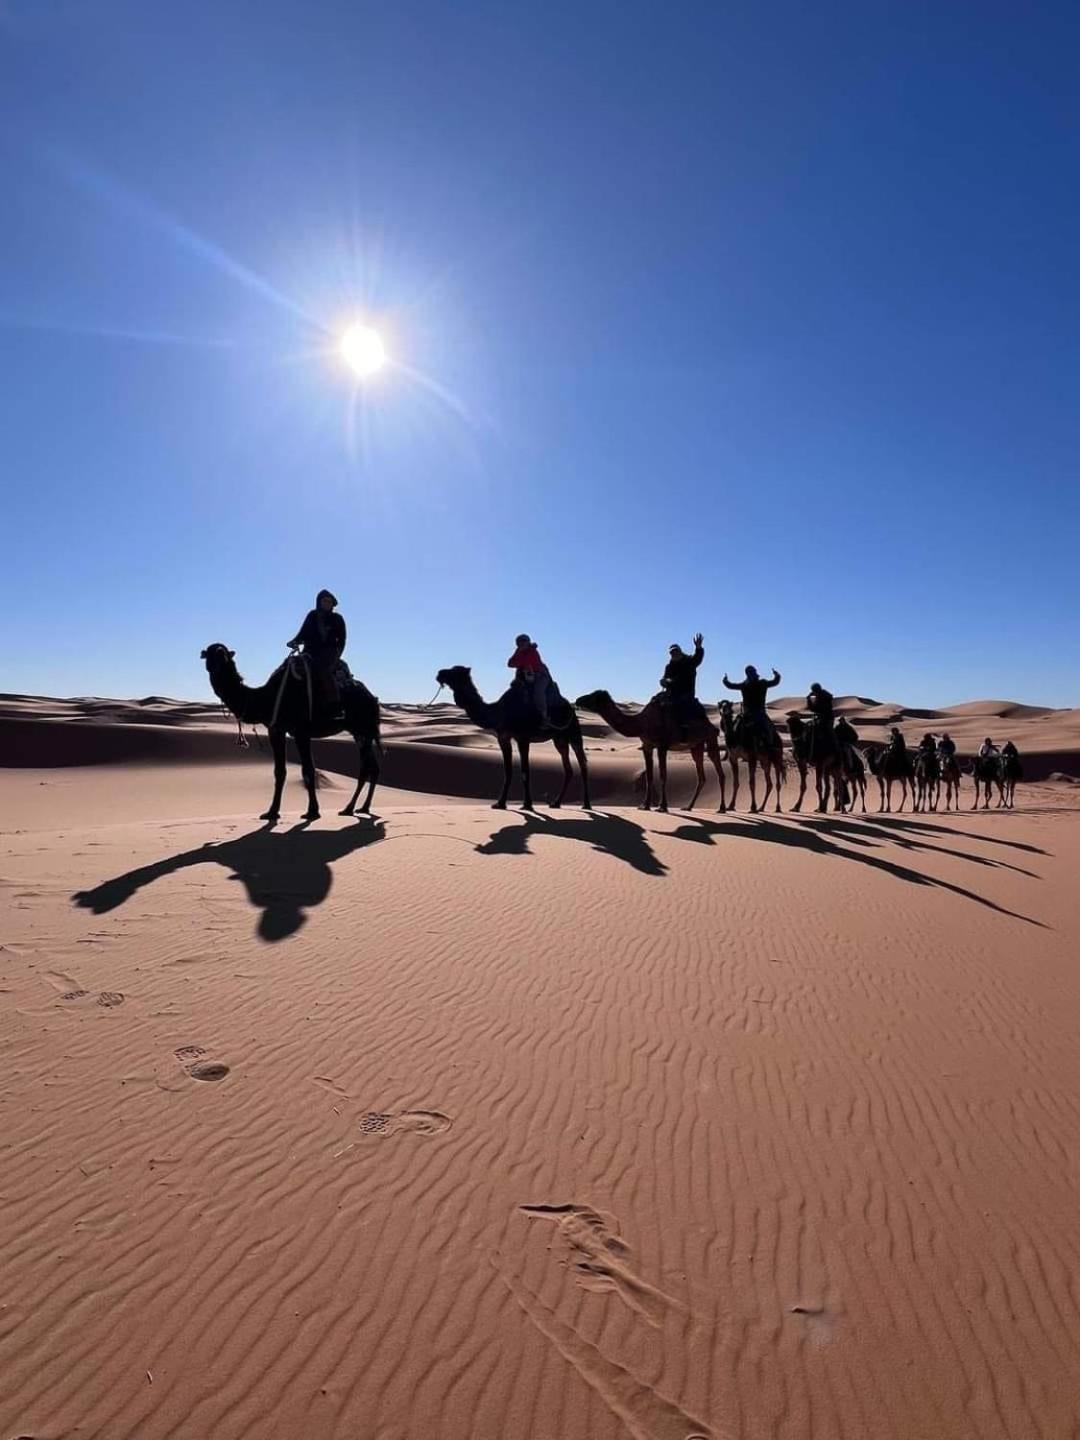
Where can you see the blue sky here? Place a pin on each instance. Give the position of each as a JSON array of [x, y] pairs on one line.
[[759, 320]]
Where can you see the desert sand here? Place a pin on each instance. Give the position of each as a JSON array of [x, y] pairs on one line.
[[462, 1124]]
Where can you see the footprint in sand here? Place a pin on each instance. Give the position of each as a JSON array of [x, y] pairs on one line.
[[208, 1070], [74, 994], [604, 1258], [415, 1122], [110, 998], [199, 1069]]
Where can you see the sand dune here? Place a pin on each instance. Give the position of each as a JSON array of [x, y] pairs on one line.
[[458, 1124]]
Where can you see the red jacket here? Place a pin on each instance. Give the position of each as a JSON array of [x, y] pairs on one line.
[[527, 657]]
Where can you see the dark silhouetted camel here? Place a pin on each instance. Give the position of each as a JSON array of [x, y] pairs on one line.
[[515, 720], [749, 743], [660, 731], [282, 705], [808, 750]]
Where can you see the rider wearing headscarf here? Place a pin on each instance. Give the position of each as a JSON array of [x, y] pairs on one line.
[[322, 637]]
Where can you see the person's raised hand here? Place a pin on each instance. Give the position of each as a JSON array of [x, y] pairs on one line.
[[698, 639]]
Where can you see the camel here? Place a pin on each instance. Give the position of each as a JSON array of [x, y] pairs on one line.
[[852, 768], [987, 771], [889, 765], [950, 778], [282, 706], [515, 720], [927, 779], [826, 762], [755, 749], [1011, 772], [659, 731]]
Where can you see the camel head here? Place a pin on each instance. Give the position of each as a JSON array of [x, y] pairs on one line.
[[458, 677], [726, 709], [795, 723], [217, 656], [596, 700]]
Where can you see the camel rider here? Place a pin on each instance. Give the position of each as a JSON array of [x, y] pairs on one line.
[[820, 704], [897, 743], [1010, 751], [678, 684], [947, 747], [927, 745], [533, 675], [754, 692], [847, 737], [322, 636], [988, 750]]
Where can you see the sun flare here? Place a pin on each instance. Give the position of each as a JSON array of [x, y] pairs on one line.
[[362, 350]]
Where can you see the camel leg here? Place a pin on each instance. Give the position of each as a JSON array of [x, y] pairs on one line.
[[368, 770], [307, 769], [526, 777], [752, 766], [734, 778], [373, 766], [662, 761], [278, 742], [802, 786], [578, 745], [508, 771], [563, 748], [778, 768], [698, 755], [821, 777], [647, 753], [717, 764]]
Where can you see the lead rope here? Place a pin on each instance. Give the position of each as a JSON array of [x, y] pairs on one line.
[[433, 698]]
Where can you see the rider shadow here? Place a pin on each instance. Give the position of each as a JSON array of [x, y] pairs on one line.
[[609, 834], [285, 873], [900, 822], [866, 831], [802, 837]]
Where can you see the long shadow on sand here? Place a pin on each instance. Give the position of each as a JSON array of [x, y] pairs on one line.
[[815, 836], [610, 834], [286, 873]]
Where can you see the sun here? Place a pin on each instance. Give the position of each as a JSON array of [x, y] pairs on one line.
[[362, 350]]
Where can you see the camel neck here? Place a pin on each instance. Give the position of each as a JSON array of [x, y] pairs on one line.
[[475, 706]]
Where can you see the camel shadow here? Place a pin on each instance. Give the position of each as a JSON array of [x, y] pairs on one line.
[[868, 832], [816, 838], [285, 873], [902, 824], [609, 834]]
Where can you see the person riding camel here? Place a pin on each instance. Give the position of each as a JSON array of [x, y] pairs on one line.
[[928, 744], [754, 692], [1010, 750], [533, 675], [819, 702], [678, 684], [988, 750], [947, 747], [322, 638], [897, 743]]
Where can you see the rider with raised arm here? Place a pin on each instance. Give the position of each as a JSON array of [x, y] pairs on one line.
[[678, 684], [754, 692]]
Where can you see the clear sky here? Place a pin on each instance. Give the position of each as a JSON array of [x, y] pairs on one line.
[[759, 319]]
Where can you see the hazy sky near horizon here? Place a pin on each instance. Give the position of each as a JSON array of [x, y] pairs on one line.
[[762, 320]]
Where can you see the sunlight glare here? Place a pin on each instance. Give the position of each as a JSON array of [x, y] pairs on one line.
[[362, 350]]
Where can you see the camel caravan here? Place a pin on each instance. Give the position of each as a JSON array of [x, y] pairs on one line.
[[313, 694]]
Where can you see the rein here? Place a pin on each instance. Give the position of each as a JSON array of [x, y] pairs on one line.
[[433, 698]]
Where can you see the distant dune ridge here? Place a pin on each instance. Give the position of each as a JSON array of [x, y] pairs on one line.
[[459, 1124], [437, 749]]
